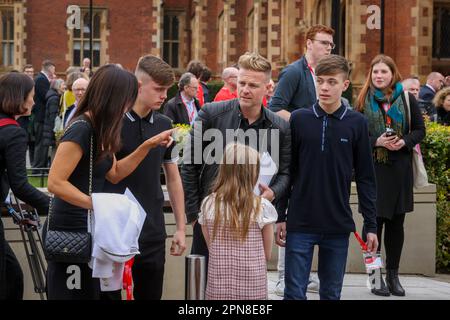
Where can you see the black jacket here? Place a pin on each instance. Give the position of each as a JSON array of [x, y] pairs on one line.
[[41, 87], [51, 111], [443, 116], [13, 147], [197, 178], [176, 110]]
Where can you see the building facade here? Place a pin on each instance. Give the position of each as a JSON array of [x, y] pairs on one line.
[[217, 32]]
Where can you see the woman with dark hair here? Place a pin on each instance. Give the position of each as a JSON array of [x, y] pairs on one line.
[[96, 127], [16, 99], [393, 136]]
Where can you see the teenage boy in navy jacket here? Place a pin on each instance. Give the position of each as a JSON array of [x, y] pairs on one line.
[[328, 141]]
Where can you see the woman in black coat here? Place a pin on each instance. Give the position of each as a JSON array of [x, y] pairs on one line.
[[52, 108], [385, 105], [442, 104], [16, 99]]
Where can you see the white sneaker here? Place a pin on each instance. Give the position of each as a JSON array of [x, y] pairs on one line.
[[279, 288], [314, 284]]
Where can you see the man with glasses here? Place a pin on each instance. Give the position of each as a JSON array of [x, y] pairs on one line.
[[296, 84], [78, 88], [297, 89], [183, 108]]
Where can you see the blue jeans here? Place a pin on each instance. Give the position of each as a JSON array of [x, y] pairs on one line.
[[333, 251]]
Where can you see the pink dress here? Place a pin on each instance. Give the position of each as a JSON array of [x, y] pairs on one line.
[[237, 270]]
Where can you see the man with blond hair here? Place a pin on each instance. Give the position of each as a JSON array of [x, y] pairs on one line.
[[244, 118]]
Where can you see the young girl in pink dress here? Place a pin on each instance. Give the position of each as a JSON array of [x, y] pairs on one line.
[[238, 228]]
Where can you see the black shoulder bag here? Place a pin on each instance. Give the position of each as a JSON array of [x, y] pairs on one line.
[[67, 246]]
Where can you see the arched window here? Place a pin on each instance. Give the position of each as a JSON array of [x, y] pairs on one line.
[[81, 45], [7, 32]]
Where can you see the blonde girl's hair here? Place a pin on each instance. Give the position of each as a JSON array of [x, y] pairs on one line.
[[235, 204]]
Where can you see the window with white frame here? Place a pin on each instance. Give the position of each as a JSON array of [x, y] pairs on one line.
[[81, 40]]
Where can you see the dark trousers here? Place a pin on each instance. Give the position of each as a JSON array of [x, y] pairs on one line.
[[199, 245], [11, 276], [40, 150], [148, 271], [70, 281], [394, 236], [333, 250]]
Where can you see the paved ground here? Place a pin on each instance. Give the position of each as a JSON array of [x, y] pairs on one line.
[[355, 288]]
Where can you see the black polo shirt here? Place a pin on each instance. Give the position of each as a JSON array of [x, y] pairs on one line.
[[325, 149], [258, 124], [144, 182]]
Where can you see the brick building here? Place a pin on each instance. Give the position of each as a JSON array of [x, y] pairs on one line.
[[416, 32]]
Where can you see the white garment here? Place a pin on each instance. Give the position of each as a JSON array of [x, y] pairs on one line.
[[267, 215], [118, 221]]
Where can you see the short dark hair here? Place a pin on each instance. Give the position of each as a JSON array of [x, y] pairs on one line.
[[196, 68], [159, 70], [331, 65], [14, 90], [206, 74], [46, 64], [27, 66]]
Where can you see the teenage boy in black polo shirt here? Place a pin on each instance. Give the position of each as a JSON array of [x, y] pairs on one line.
[[328, 141], [142, 122]]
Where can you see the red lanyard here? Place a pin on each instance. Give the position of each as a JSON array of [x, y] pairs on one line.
[[361, 242], [387, 107], [191, 114], [311, 69]]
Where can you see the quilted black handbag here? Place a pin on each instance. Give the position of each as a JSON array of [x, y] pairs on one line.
[[67, 246]]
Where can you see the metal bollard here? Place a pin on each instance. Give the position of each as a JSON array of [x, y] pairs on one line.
[[195, 277]]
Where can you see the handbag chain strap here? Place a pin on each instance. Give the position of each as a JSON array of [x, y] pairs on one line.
[[91, 164]]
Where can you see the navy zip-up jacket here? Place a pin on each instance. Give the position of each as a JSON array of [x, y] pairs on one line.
[[325, 149]]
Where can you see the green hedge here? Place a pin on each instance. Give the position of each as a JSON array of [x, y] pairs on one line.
[[436, 155]]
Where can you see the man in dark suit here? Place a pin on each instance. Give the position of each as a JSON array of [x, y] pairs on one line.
[[183, 108], [435, 82], [41, 87]]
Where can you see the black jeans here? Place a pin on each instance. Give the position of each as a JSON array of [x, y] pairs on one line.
[[11, 277], [40, 157], [199, 245], [394, 237], [148, 271], [71, 281]]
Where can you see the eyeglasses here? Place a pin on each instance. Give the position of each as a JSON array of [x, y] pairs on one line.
[[326, 43]]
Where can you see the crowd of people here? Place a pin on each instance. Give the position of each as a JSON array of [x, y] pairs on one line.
[[104, 132]]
